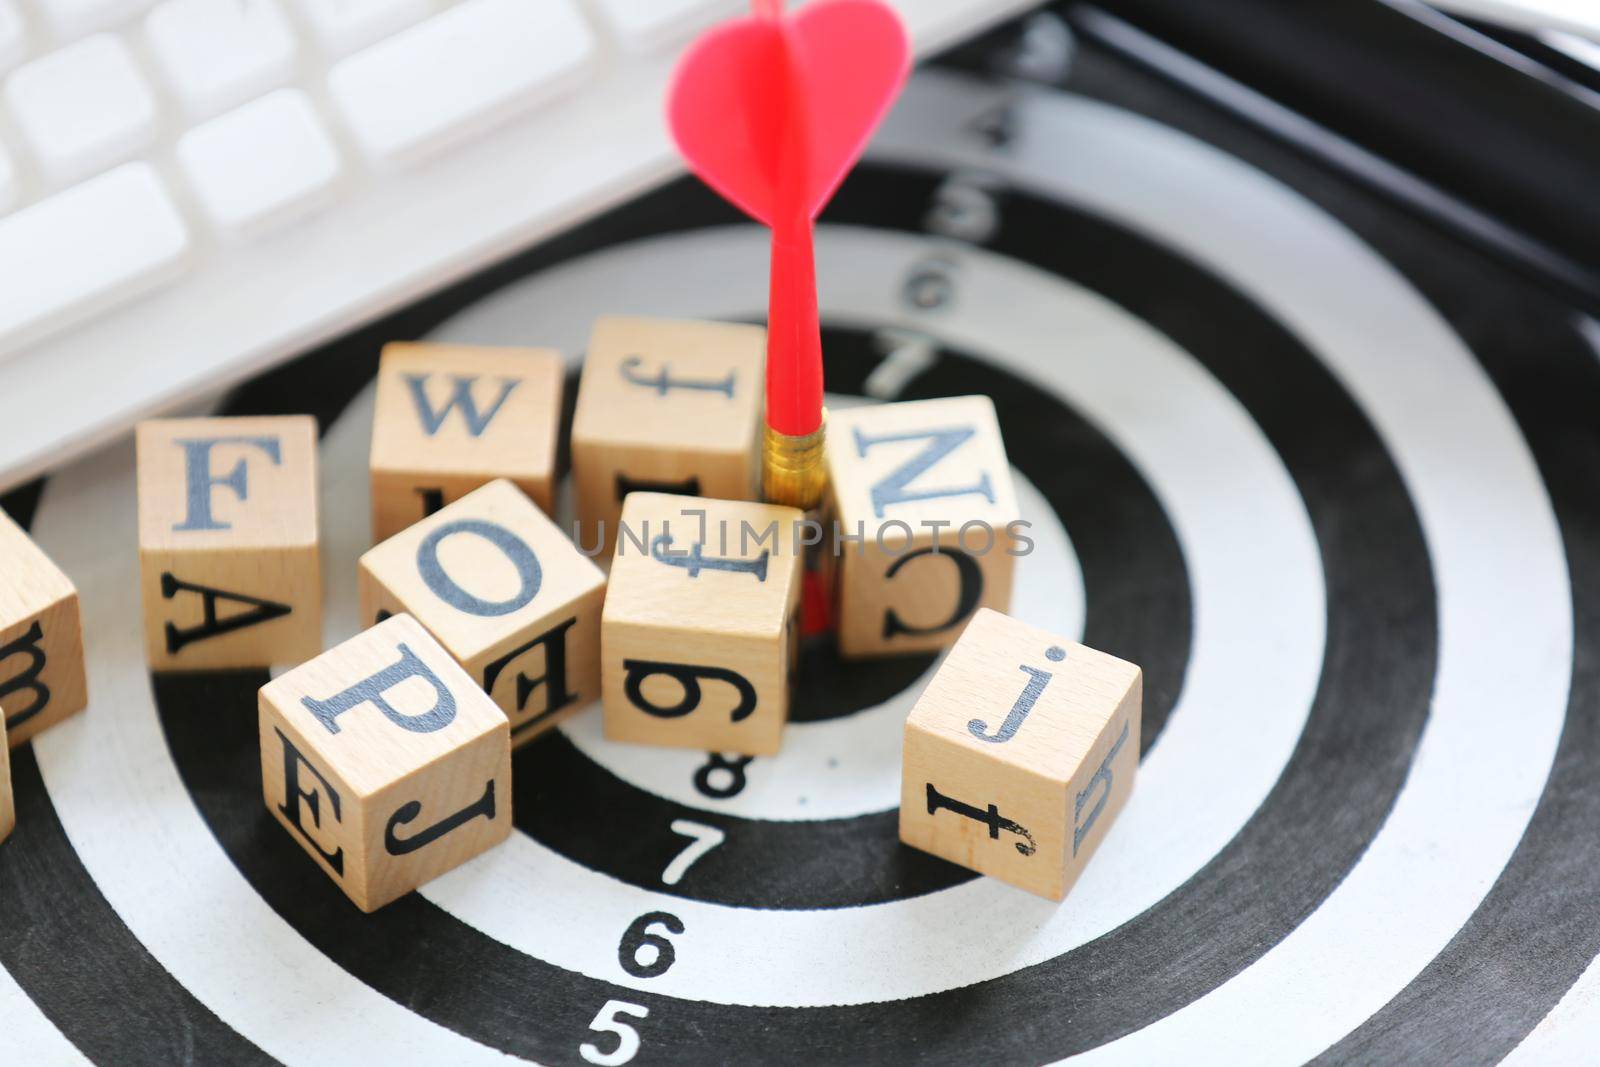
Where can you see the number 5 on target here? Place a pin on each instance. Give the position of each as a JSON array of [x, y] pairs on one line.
[[627, 1037]]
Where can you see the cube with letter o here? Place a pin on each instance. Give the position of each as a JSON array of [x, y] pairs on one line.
[[506, 593]]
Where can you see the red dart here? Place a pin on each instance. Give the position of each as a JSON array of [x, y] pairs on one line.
[[771, 110]]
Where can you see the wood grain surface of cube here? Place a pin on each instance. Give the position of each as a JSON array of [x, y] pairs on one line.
[[508, 596], [700, 629], [666, 406], [927, 488], [384, 760], [1019, 754], [42, 670], [449, 418], [229, 554], [8, 800]]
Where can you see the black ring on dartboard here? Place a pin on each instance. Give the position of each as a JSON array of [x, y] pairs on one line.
[[1333, 795], [1138, 607]]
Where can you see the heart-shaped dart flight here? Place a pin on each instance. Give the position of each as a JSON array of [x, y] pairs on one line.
[[771, 111]]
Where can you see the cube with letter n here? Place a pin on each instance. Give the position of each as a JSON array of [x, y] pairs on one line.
[[228, 542], [386, 763], [927, 518]]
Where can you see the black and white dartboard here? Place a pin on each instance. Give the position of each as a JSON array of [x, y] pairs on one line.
[[1332, 480]]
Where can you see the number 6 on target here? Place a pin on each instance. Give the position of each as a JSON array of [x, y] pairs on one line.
[[627, 1037]]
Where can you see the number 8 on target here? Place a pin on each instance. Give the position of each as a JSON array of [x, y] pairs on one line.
[[606, 1022]]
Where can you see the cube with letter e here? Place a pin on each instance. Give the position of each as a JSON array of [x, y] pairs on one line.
[[1020, 753], [927, 520], [700, 628], [385, 762], [449, 418], [506, 593], [228, 542]]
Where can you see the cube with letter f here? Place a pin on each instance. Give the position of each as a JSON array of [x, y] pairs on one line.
[[228, 542]]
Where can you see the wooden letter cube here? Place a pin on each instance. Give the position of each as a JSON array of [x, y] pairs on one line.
[[42, 676], [665, 406], [1019, 754], [504, 591], [700, 629], [449, 418], [386, 762], [228, 550], [927, 487], [8, 801]]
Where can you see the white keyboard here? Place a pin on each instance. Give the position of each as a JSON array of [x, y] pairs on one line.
[[192, 190]]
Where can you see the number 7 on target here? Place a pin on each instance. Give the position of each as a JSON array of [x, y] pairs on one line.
[[703, 839]]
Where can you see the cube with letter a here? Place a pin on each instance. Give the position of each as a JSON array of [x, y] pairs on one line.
[[449, 418], [228, 542], [506, 593], [1019, 754], [700, 629], [665, 406], [927, 519], [385, 761], [42, 675]]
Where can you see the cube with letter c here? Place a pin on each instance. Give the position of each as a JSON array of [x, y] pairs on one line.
[[506, 593], [385, 762], [927, 522], [229, 552]]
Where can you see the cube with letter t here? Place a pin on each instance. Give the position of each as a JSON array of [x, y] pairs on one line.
[[1019, 754], [385, 761], [508, 596], [228, 542], [700, 628], [922, 491], [449, 418]]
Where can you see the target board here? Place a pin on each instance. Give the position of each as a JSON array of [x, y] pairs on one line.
[[1330, 479]]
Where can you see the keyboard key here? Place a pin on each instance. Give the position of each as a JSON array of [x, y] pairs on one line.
[[82, 108], [8, 183], [457, 73], [645, 25], [81, 249], [344, 25], [218, 53], [262, 164], [71, 18], [13, 36]]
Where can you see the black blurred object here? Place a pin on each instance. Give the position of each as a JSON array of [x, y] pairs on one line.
[[1491, 134]]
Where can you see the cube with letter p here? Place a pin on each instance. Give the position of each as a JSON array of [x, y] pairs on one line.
[[385, 762]]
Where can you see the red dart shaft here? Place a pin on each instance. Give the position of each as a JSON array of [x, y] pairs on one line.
[[794, 337]]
